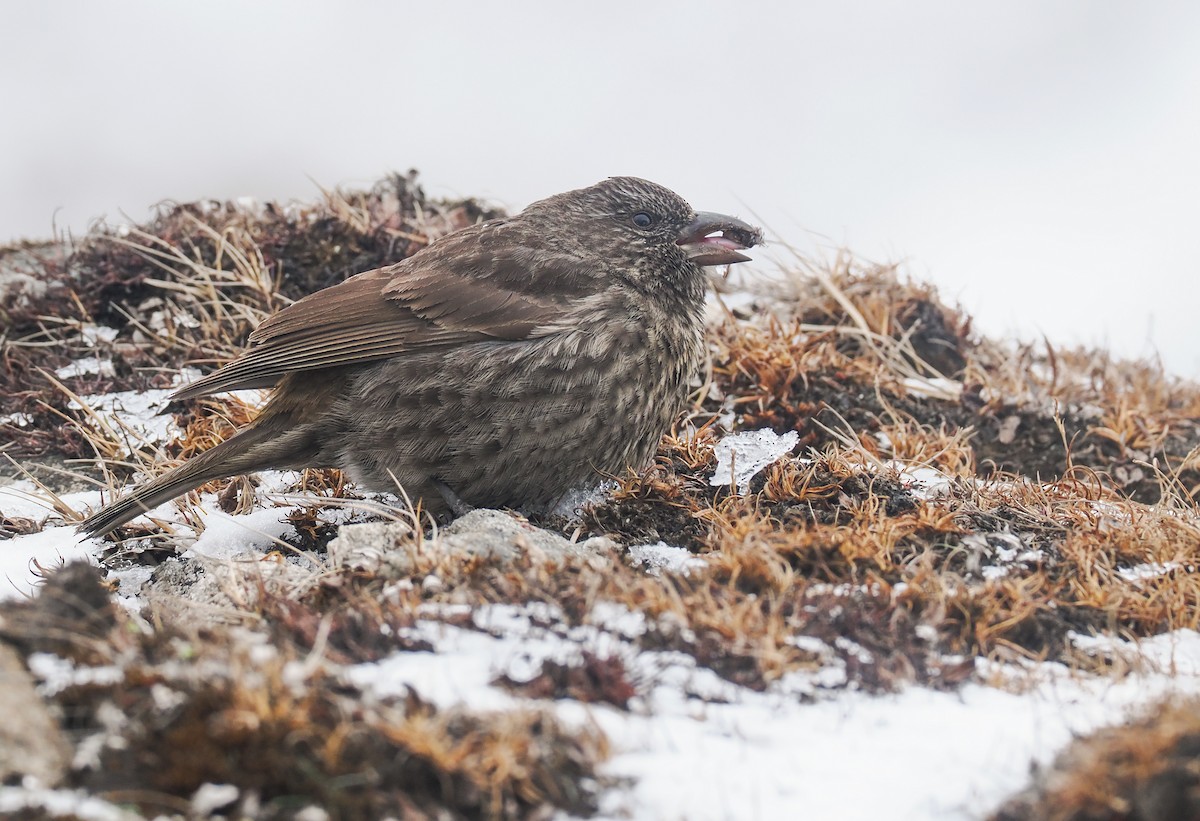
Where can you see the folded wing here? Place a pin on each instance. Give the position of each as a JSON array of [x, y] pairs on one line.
[[477, 285]]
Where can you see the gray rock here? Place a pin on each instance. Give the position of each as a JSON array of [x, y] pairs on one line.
[[191, 588], [365, 546], [27, 272], [492, 535], [503, 537]]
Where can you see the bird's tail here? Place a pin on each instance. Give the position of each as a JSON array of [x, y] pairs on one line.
[[257, 448]]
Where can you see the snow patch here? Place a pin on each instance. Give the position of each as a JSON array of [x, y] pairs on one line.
[[93, 335], [936, 387], [1143, 572], [661, 557], [573, 502], [18, 419], [86, 365], [22, 556], [226, 537], [740, 456], [138, 413], [922, 481], [56, 674], [22, 498], [696, 746], [48, 803]]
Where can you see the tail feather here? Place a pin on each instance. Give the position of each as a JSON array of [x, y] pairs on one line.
[[253, 449]]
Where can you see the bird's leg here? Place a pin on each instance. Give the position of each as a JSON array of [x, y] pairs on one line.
[[457, 505]]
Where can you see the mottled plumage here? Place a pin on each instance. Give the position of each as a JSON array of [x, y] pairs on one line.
[[501, 366]]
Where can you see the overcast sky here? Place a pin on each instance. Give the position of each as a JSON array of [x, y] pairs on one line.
[[1039, 161]]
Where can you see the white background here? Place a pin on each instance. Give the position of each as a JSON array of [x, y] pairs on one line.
[[1039, 161]]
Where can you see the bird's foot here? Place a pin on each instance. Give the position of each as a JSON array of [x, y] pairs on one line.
[[457, 505]]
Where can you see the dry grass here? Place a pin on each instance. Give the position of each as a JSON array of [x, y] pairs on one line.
[[1147, 769], [1066, 502], [194, 704], [187, 288]]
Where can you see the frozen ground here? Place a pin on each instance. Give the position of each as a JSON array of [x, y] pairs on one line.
[[698, 747], [694, 746], [691, 745]]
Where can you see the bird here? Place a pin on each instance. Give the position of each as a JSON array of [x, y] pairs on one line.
[[502, 365]]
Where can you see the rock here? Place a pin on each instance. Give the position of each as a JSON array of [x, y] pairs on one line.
[[492, 535], [190, 588], [31, 743], [31, 273], [502, 538], [364, 546]]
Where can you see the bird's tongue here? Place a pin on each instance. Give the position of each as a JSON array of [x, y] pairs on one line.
[[718, 241], [715, 239]]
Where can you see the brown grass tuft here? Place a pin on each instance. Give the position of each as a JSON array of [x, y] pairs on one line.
[[1146, 769]]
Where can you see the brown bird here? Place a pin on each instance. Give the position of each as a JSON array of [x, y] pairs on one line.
[[501, 366]]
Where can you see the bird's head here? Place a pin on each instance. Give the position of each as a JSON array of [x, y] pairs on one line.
[[647, 230]]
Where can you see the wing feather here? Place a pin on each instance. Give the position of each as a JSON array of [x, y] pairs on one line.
[[464, 289]]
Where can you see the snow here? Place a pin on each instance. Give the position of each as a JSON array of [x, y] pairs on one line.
[[56, 803], [130, 581], [1143, 572], [226, 537], [695, 746], [573, 502], [56, 674], [661, 557], [22, 498], [937, 387], [20, 557], [84, 366], [1177, 653], [93, 335], [212, 797], [138, 413], [1003, 552], [923, 481], [740, 456]]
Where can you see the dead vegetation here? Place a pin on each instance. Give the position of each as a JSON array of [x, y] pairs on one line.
[[950, 498], [1143, 771], [186, 288], [183, 705]]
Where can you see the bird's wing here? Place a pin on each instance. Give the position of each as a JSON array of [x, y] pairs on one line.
[[459, 291]]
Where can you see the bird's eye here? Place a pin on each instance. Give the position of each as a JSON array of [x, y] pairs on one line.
[[643, 220]]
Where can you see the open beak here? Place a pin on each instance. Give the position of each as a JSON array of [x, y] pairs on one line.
[[715, 239]]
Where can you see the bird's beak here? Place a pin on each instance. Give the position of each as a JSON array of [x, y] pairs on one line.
[[715, 239]]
